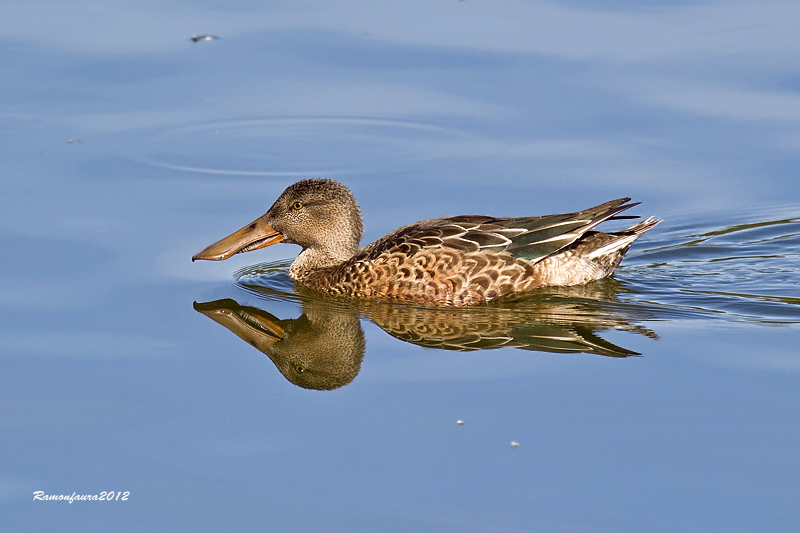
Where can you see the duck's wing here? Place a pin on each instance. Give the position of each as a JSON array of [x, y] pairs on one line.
[[531, 238], [543, 236]]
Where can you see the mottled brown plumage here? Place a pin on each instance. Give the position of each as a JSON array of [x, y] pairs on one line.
[[448, 261]]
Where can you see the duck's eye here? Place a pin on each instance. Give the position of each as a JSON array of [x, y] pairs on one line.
[[300, 369], [297, 205]]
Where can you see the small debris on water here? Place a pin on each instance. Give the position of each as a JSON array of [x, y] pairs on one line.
[[73, 141], [197, 38], [514, 444], [460, 422]]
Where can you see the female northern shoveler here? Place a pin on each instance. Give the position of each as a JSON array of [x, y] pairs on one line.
[[451, 261]]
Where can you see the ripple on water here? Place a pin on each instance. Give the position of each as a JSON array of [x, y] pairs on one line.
[[739, 271], [268, 281], [303, 146]]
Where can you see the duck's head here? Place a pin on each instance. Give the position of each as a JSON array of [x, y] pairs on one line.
[[320, 215]]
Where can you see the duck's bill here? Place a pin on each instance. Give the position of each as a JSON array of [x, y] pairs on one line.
[[256, 235], [256, 326]]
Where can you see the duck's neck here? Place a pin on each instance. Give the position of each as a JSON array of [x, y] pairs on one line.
[[314, 259]]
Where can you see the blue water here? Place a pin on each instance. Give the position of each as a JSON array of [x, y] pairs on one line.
[[127, 147]]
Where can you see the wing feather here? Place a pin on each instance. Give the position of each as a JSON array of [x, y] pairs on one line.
[[531, 238]]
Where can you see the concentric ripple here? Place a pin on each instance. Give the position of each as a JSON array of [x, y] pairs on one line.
[[303, 146]]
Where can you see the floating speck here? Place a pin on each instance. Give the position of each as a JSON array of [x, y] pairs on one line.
[[73, 141], [460, 422], [197, 38], [514, 444]]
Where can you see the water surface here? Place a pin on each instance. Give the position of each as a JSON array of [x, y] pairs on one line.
[[663, 399]]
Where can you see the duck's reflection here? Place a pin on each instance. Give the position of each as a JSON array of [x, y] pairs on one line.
[[324, 347], [321, 350]]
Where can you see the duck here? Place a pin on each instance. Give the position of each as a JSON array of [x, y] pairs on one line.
[[453, 261]]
